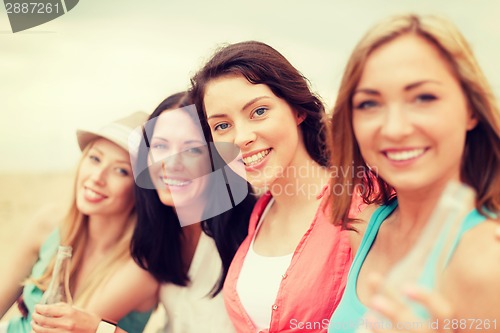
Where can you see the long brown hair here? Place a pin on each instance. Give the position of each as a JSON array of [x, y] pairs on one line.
[[157, 241], [480, 166], [259, 63]]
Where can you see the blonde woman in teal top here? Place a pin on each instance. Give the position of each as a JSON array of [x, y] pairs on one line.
[[99, 225], [415, 112], [349, 315], [132, 322]]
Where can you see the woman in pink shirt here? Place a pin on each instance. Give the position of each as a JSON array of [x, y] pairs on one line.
[[289, 273]]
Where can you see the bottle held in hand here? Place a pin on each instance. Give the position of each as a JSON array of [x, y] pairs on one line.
[[426, 261], [58, 290]]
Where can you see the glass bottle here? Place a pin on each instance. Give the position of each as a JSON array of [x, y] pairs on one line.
[[58, 290], [428, 258]]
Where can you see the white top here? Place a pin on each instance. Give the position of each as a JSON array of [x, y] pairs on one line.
[[191, 309], [260, 280]]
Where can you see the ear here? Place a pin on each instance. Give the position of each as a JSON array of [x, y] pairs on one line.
[[300, 117], [471, 121]]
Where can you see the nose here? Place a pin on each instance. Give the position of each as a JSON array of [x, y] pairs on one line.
[[172, 163], [397, 123], [98, 175], [245, 136]]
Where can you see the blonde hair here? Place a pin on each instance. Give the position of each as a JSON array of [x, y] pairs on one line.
[[480, 167], [74, 232]]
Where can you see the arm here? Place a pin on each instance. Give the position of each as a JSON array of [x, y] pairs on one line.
[[25, 255], [129, 289], [472, 277], [67, 319]]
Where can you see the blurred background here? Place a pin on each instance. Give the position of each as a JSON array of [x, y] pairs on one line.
[[105, 59]]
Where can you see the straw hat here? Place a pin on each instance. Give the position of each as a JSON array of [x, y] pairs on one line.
[[117, 132]]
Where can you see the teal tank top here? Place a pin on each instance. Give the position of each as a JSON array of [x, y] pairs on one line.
[[134, 322], [348, 316]]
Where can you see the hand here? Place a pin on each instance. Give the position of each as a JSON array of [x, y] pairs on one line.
[[63, 318], [400, 317]]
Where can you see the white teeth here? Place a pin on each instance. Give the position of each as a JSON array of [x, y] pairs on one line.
[[175, 182], [405, 155], [92, 194], [256, 158]]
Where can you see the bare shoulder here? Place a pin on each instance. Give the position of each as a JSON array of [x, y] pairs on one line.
[[360, 225], [479, 248], [472, 276], [135, 273], [132, 287], [48, 217], [135, 280], [39, 227]]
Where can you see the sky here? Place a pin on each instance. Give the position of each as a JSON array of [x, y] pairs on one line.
[[106, 59]]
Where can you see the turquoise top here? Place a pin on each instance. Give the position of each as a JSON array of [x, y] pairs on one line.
[[348, 316], [134, 322]]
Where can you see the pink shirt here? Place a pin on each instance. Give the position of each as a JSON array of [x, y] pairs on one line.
[[313, 284]]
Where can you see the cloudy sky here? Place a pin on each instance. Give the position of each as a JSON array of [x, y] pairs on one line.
[[105, 59]]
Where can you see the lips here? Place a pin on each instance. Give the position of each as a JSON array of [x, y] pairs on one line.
[[400, 155], [255, 158], [92, 195]]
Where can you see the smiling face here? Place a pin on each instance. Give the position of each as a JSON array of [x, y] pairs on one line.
[[410, 115], [263, 126], [179, 162], [105, 181]]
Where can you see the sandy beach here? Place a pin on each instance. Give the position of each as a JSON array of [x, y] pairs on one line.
[[22, 195]]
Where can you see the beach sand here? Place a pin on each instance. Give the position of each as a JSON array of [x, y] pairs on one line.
[[22, 195]]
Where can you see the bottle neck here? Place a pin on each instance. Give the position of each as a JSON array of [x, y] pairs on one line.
[[58, 289]]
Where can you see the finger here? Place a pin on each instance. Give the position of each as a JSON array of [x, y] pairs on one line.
[[435, 303], [439, 308], [396, 316], [385, 304], [376, 286], [43, 321], [37, 328], [385, 297], [374, 283], [52, 310], [386, 315]]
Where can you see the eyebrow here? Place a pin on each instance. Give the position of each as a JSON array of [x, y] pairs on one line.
[[419, 83], [252, 101], [406, 88], [117, 161], [194, 141], [96, 149], [185, 142], [366, 91]]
